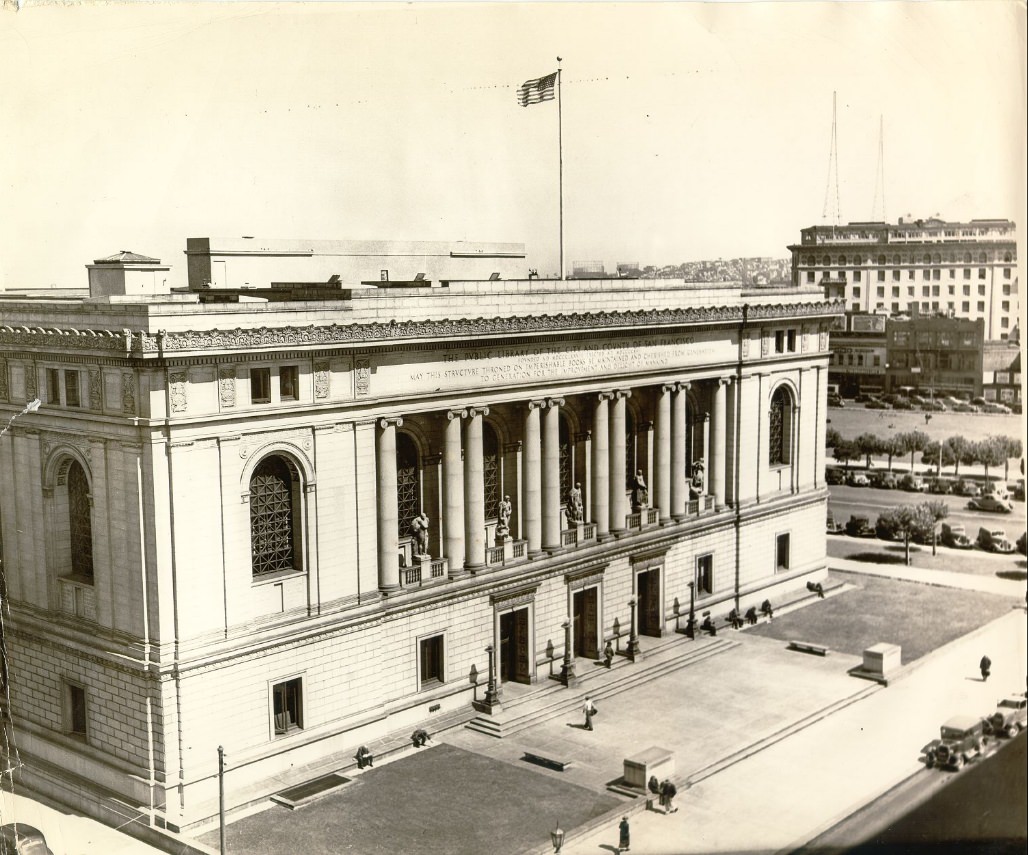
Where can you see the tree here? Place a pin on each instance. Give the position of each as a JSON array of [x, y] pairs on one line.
[[845, 451], [868, 444], [912, 442], [960, 450], [902, 523], [934, 512], [1013, 449], [890, 448], [832, 438], [991, 451]]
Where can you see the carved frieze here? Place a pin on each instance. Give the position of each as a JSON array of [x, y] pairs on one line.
[[31, 390], [128, 393], [227, 386], [321, 379], [513, 597], [363, 370], [765, 343], [5, 390], [95, 390], [177, 389]]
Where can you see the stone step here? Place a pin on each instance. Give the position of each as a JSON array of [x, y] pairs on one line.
[[553, 701]]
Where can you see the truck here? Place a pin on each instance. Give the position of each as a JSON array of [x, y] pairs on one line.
[[962, 738], [1010, 716], [994, 540]]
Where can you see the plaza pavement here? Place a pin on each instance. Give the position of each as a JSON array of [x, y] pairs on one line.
[[772, 747]]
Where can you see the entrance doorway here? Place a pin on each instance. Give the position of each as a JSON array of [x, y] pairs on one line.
[[649, 617], [514, 646], [585, 609]]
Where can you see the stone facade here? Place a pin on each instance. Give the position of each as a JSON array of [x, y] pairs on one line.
[[211, 544]]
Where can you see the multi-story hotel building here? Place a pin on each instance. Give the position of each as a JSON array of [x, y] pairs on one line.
[[212, 528], [962, 270]]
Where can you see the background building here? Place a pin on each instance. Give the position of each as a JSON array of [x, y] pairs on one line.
[[212, 529]]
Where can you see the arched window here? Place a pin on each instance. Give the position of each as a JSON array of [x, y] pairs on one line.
[[842, 261], [881, 259], [780, 427], [408, 484], [896, 259], [982, 258], [967, 258], [80, 522], [809, 261], [937, 258], [490, 470], [564, 457], [927, 258], [274, 517]]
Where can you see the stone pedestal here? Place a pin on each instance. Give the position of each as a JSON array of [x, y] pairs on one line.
[[653, 762], [881, 661]]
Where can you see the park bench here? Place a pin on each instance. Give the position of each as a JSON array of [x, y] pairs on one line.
[[809, 647], [546, 758]]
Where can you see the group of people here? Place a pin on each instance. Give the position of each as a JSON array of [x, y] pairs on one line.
[[666, 791]]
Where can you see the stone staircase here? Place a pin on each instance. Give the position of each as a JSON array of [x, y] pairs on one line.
[[551, 699]]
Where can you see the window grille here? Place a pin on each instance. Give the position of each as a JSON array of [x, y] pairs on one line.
[[81, 522], [490, 471], [408, 492], [776, 442], [271, 517]]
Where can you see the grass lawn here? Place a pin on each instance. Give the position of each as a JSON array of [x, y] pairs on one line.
[[919, 618], [971, 561], [440, 801]]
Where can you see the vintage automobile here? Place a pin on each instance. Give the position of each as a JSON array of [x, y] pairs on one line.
[[962, 738], [859, 526], [964, 407], [1021, 542], [994, 540], [835, 401], [834, 475], [943, 486], [954, 535], [877, 405], [991, 503], [996, 408], [1018, 492], [17, 838], [935, 406], [902, 404], [913, 484], [858, 479], [1010, 717], [965, 487], [884, 480]]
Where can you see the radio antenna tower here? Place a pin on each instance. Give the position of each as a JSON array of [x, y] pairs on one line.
[[879, 176], [833, 171]]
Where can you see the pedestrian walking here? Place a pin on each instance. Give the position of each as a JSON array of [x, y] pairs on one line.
[[624, 839], [589, 708], [672, 791], [608, 653], [986, 667]]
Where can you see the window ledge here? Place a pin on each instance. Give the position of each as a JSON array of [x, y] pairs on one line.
[[271, 578], [78, 579]]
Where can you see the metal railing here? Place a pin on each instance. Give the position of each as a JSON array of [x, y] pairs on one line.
[[569, 537]]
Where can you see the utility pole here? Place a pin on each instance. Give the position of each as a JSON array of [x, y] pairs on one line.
[[221, 800]]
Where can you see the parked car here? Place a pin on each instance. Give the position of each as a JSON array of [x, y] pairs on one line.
[[884, 480], [996, 408], [1018, 492], [1016, 407], [1010, 717], [902, 404], [913, 484], [877, 405], [17, 838], [954, 535], [942, 486], [864, 397], [994, 540], [859, 526], [962, 738], [991, 503], [1021, 543], [995, 488], [935, 406], [967, 488], [833, 526], [964, 407], [979, 401], [835, 401], [834, 476], [858, 479]]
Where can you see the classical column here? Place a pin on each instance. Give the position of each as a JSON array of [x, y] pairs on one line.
[[601, 464], [532, 493], [474, 491], [794, 439], [453, 494], [717, 447], [662, 465], [705, 431], [679, 488], [388, 537], [617, 477], [551, 473]]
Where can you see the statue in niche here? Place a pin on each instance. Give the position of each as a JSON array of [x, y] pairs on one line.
[[574, 511], [640, 492], [503, 512], [696, 481], [419, 530]]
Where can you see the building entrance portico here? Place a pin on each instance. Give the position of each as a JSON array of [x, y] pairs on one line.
[[586, 623], [515, 649]]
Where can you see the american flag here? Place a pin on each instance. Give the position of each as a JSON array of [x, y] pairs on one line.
[[538, 90]]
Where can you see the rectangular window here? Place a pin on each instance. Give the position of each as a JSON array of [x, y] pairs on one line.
[[780, 341], [967, 290], [952, 273], [856, 292], [704, 575], [782, 552], [981, 305], [856, 275], [895, 291], [981, 272], [927, 273], [910, 290], [75, 710], [1003, 322], [925, 291], [71, 389], [431, 661], [53, 386], [288, 705], [895, 276], [895, 308], [910, 275], [881, 291], [383, 275], [1006, 290], [967, 272], [951, 290], [936, 275], [981, 290], [1006, 272], [790, 341], [289, 383], [881, 275], [854, 307], [877, 361], [965, 306], [810, 275], [260, 385], [935, 290]]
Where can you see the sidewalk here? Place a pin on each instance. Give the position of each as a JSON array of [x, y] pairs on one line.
[[947, 579], [784, 796]]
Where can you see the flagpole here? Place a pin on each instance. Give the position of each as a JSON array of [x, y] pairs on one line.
[[560, 172]]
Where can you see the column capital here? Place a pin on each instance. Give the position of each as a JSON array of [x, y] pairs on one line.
[[706, 417], [604, 396], [725, 381], [536, 404], [471, 412], [676, 386], [554, 402], [393, 422], [456, 414], [621, 393]]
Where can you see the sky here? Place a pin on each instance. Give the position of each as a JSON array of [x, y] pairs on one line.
[[688, 130]]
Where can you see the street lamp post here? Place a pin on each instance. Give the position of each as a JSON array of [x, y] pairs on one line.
[[633, 640], [30, 407], [492, 698], [557, 839], [567, 667], [690, 627]]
